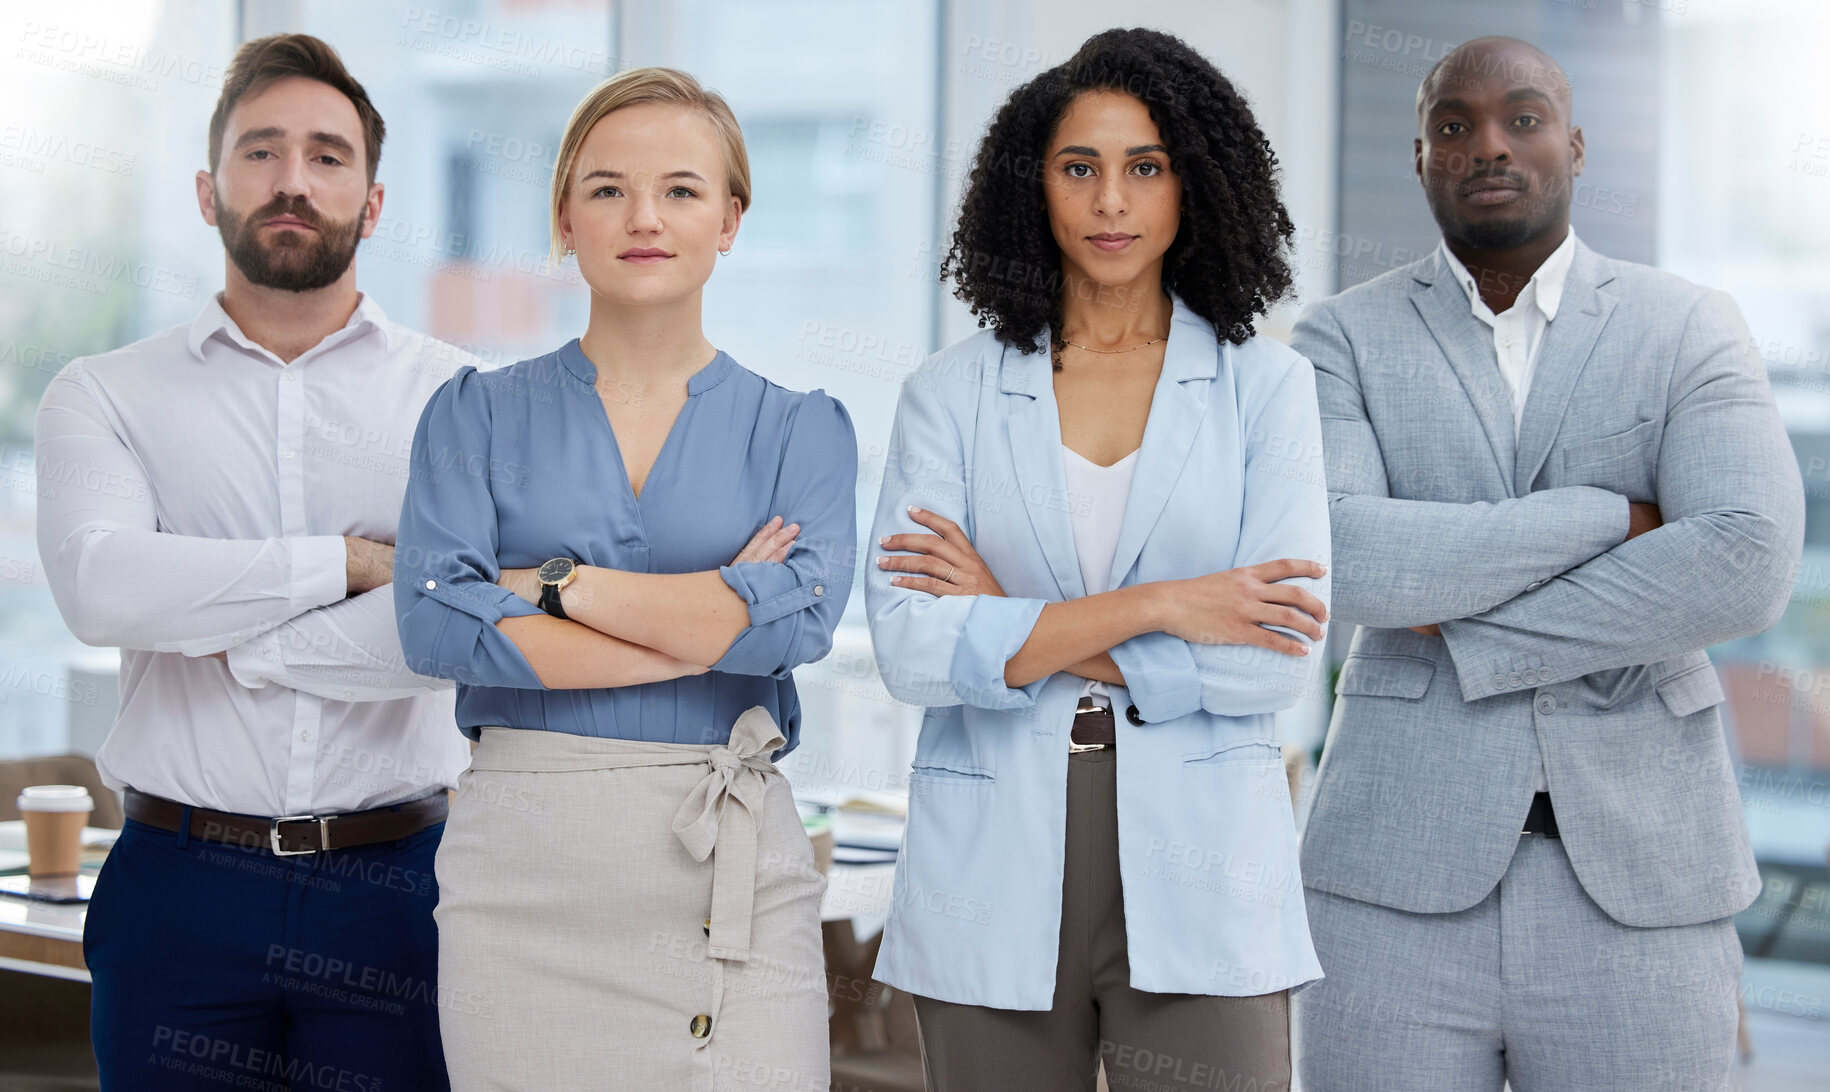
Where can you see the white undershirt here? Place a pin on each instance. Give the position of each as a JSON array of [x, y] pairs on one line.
[[1096, 506]]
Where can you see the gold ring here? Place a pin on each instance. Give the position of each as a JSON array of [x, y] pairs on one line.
[[949, 578]]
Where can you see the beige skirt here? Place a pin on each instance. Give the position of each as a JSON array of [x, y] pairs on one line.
[[615, 914]]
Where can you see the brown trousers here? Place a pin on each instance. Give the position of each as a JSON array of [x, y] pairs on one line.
[[1148, 1042]]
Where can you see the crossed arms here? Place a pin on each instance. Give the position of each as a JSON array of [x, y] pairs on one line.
[[309, 612], [1223, 641], [1556, 585], [463, 617]]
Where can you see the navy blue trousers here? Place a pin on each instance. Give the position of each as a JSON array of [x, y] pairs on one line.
[[219, 966]]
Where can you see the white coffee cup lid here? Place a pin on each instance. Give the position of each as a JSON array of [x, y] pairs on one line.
[[55, 798]]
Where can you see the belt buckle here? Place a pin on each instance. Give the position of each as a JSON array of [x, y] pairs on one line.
[[1087, 705], [273, 834]]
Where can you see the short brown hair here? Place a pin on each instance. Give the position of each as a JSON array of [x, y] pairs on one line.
[[636, 85], [277, 56]]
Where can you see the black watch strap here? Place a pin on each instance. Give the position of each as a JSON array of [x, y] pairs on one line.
[[549, 600]]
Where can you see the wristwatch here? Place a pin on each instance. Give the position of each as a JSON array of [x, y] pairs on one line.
[[554, 575]]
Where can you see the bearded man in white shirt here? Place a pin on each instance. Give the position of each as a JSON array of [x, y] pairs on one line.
[[219, 501]]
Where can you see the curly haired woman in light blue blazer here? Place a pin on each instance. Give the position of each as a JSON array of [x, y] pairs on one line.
[[1104, 538]]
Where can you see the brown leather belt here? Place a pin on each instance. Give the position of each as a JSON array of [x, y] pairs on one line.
[[1094, 730], [293, 835]]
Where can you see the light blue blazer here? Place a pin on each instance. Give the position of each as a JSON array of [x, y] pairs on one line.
[[1231, 473]]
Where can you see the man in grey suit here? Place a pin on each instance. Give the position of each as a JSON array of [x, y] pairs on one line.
[[1554, 479]]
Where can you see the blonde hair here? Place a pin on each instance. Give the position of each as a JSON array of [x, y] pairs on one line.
[[636, 85]]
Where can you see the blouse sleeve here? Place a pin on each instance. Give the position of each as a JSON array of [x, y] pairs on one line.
[[446, 600], [795, 605]]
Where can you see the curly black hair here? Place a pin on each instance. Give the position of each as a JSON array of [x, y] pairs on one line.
[[1229, 261]]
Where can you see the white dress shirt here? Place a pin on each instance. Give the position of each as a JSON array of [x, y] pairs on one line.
[[1096, 506], [1518, 334], [193, 495]]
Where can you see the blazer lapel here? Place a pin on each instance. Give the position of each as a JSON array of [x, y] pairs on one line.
[[1468, 344], [1034, 425], [1568, 343], [1191, 360]]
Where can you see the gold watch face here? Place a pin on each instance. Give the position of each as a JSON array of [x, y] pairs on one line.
[[556, 570]]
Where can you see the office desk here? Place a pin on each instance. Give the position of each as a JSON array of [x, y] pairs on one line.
[[43, 937]]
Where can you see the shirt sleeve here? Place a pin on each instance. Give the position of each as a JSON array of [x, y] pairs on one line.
[[949, 649], [119, 581], [446, 600], [348, 651], [795, 604], [1285, 515]]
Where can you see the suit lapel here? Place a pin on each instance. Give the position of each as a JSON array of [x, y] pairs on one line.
[[1568, 343], [1468, 344], [1191, 360], [1035, 457]]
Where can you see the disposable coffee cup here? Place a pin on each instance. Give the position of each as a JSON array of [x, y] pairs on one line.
[[55, 816]]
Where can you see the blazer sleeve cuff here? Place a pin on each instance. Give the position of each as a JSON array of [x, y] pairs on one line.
[[1494, 677], [995, 629], [1161, 676]]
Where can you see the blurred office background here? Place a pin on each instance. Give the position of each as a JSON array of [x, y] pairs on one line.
[[1708, 126]]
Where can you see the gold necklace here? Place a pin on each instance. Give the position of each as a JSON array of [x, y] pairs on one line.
[[1108, 352]]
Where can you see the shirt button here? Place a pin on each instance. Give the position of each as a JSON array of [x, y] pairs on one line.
[[305, 736], [1534, 585], [1499, 681], [1507, 342], [430, 584], [819, 589], [1547, 704], [707, 927], [286, 454], [290, 374], [702, 1025], [1515, 679]]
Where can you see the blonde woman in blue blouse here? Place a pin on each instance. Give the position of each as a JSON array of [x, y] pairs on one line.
[[620, 550]]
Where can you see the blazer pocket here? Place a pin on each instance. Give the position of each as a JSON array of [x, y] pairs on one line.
[[1237, 753], [951, 771], [1620, 453], [1691, 691], [1385, 676]]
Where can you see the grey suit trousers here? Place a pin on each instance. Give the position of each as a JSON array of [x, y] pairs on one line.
[[1149, 1042], [1534, 985]]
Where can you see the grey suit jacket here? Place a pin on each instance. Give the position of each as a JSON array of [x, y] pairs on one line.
[[1558, 637]]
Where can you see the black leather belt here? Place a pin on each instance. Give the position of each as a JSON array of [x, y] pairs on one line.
[[1094, 729], [1540, 819], [293, 835]]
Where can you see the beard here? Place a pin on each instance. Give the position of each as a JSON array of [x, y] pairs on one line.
[[294, 261], [1540, 211]]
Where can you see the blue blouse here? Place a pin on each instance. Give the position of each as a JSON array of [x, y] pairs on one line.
[[512, 467]]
